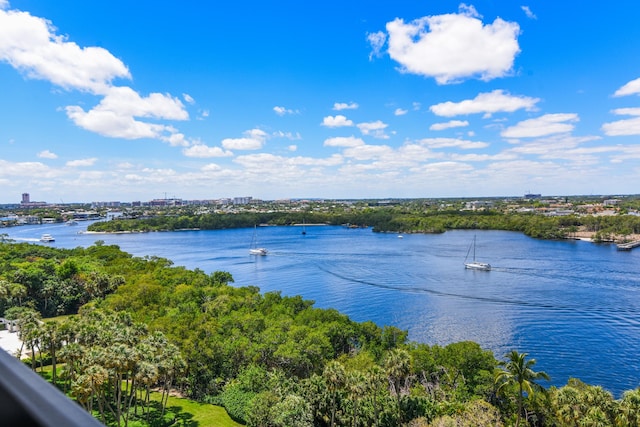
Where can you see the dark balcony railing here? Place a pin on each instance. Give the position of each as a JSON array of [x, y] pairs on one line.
[[28, 400]]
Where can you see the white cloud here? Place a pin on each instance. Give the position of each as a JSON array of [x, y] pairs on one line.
[[452, 142], [254, 140], [488, 103], [345, 106], [30, 44], [24, 169], [400, 112], [336, 121], [624, 126], [204, 151], [211, 167], [292, 147], [527, 11], [368, 152], [288, 135], [632, 87], [452, 47], [341, 141], [448, 125], [188, 99], [283, 165], [375, 129], [541, 126], [115, 116], [46, 154], [281, 111], [377, 41], [82, 162]]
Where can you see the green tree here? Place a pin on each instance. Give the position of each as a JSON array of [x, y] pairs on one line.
[[517, 370]]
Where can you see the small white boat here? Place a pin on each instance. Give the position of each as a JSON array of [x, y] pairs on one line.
[[475, 265], [254, 249], [47, 238], [258, 251], [71, 222]]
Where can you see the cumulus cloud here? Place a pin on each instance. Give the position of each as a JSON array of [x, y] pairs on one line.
[[375, 129], [281, 111], [204, 151], [31, 45], [341, 141], [116, 115], [345, 106], [633, 87], [448, 125], [82, 162], [46, 154], [624, 126], [400, 112], [254, 139], [336, 121], [544, 125], [453, 47], [488, 103]]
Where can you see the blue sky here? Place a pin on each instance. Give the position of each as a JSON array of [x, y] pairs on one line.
[[120, 100]]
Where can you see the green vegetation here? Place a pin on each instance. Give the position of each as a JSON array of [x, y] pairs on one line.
[[144, 325], [404, 218]]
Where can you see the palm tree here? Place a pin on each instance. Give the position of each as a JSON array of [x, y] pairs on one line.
[[334, 374], [517, 370], [398, 368]]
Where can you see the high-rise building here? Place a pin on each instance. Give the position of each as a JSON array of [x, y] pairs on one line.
[[25, 198]]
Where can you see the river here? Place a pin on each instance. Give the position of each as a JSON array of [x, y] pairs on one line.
[[574, 306]]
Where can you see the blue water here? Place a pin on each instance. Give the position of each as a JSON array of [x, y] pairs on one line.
[[573, 306]]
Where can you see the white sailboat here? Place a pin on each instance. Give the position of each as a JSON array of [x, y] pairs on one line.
[[475, 265], [254, 249]]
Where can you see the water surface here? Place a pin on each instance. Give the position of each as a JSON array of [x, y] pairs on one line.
[[573, 306]]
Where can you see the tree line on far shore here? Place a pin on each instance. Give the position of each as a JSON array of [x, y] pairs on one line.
[[394, 219]]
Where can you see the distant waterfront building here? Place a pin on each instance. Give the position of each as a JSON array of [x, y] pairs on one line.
[[242, 200], [27, 203], [530, 196], [165, 202]]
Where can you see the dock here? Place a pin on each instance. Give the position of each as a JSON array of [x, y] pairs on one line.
[[628, 246]]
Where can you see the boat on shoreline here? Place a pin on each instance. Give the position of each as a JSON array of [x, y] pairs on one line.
[[475, 265]]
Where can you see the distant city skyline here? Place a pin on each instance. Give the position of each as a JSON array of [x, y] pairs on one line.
[[134, 101]]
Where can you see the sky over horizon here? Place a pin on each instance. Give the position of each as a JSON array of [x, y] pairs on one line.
[[127, 101]]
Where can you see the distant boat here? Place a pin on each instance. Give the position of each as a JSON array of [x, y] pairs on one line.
[[71, 222], [304, 227], [47, 238], [254, 249], [475, 265]]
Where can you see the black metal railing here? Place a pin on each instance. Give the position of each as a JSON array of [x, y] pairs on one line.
[[26, 399]]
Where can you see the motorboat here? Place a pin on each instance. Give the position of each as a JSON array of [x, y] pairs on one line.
[[47, 238]]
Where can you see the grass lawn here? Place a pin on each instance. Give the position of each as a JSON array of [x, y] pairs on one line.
[[188, 412], [194, 414]]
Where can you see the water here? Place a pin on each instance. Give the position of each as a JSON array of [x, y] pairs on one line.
[[573, 306]]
